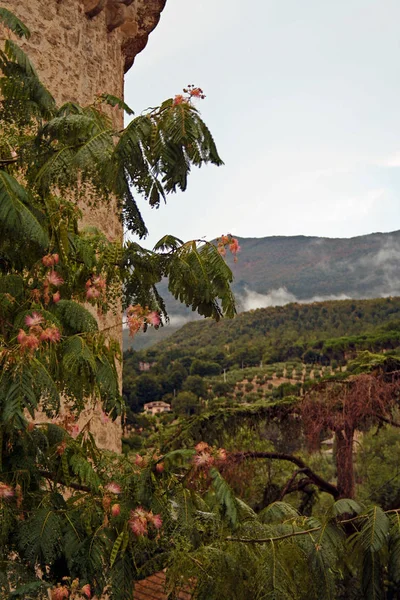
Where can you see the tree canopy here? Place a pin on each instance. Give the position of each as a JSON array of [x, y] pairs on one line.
[[68, 509]]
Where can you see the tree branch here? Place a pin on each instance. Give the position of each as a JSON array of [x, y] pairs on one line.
[[74, 486], [321, 483], [272, 539], [288, 487], [386, 420], [8, 161]]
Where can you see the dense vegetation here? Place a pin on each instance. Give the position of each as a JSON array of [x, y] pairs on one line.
[[257, 349], [76, 520], [289, 432], [236, 498]]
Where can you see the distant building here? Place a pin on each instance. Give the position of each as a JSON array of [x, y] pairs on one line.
[[157, 407], [144, 366]]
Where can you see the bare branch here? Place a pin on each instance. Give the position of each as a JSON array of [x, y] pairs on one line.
[[272, 539], [288, 487], [321, 483], [388, 421], [72, 485]]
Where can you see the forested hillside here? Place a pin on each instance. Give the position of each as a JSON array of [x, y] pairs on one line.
[[260, 348], [278, 270], [278, 330], [365, 266]]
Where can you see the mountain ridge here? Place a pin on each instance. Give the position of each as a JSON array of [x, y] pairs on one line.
[[277, 270]]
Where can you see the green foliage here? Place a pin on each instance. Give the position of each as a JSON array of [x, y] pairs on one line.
[[16, 217], [9, 20], [185, 403], [377, 467], [70, 513], [225, 496]]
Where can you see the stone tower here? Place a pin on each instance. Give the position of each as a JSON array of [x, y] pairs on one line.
[[81, 48]]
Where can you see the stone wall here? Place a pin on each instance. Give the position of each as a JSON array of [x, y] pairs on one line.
[[81, 48]]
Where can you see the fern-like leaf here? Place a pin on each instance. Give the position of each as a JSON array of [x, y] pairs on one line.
[[75, 317], [15, 216], [13, 23], [375, 532], [344, 506], [278, 512], [225, 496]]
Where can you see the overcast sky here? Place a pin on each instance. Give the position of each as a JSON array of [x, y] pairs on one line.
[[303, 99]]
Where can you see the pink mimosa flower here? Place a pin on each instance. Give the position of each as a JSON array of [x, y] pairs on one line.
[[54, 278], [6, 491], [21, 337], [99, 282], [136, 310], [59, 593], [91, 293], [31, 342], [113, 487], [179, 99], [139, 460], [234, 246], [134, 325], [48, 260], [106, 502], [34, 319], [36, 294], [201, 446], [153, 318], [138, 522], [50, 334], [74, 431], [155, 520], [138, 526], [203, 459], [139, 512], [86, 590]]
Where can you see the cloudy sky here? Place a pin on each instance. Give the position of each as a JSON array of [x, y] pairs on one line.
[[303, 99]]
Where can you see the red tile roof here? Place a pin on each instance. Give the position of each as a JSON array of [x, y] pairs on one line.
[[153, 588]]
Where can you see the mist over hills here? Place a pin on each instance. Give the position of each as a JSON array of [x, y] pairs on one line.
[[301, 268], [277, 270]]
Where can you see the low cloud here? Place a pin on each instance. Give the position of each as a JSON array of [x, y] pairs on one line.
[[251, 300], [181, 320]]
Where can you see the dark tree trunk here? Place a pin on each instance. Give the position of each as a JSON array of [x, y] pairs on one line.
[[344, 462]]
